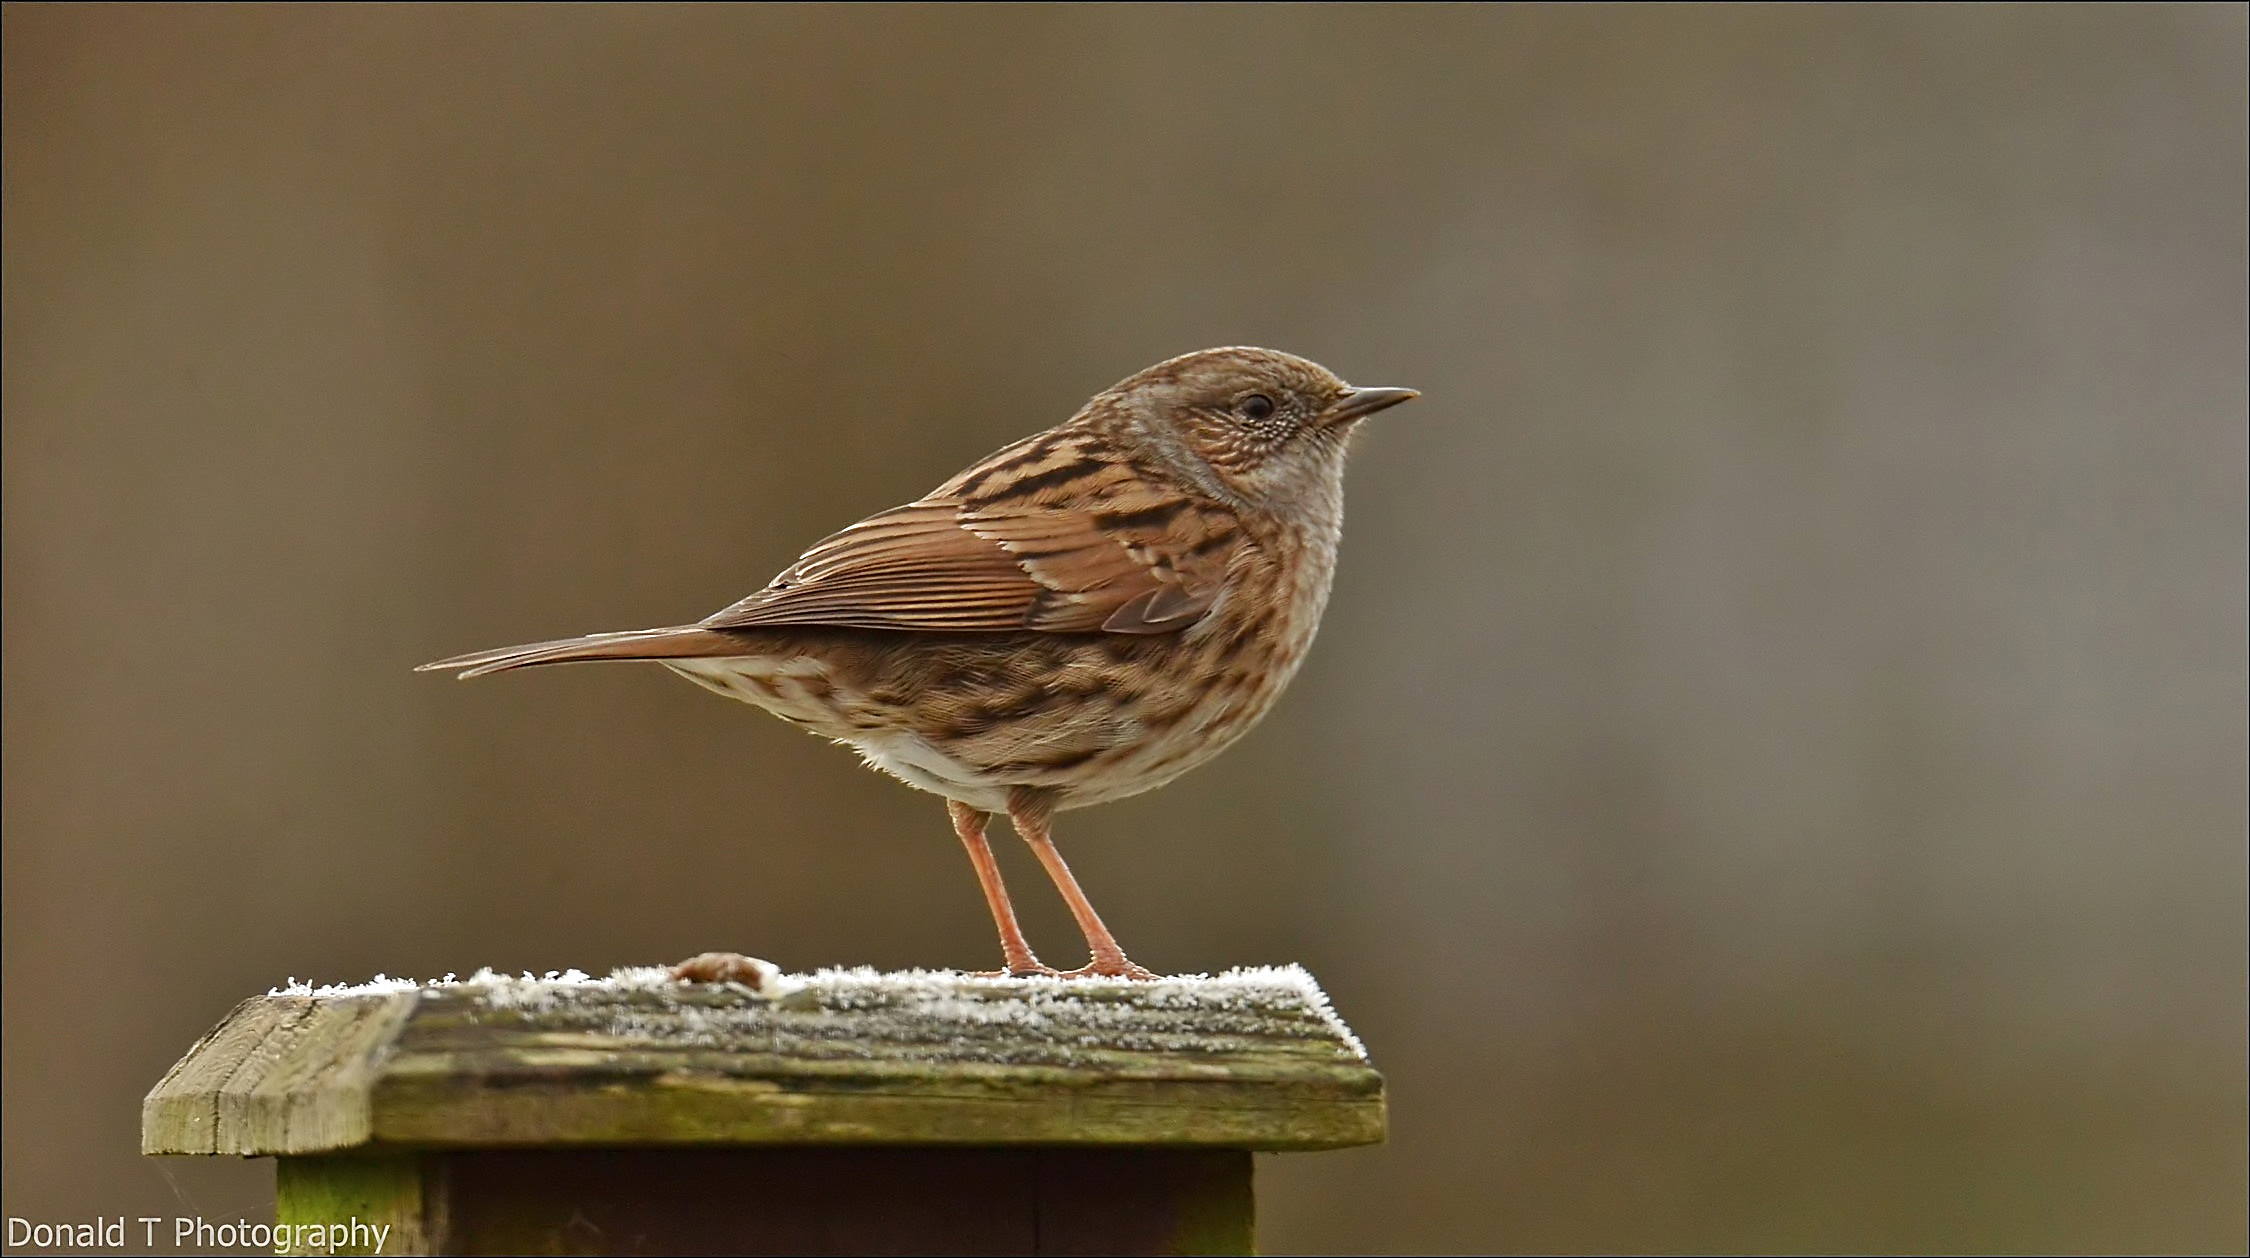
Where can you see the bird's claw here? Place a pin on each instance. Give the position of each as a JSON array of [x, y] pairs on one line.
[[1033, 969], [1102, 967]]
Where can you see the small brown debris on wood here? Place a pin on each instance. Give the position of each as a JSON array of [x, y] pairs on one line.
[[729, 967]]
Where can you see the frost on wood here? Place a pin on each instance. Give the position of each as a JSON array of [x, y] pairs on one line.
[[1249, 1059], [931, 1015]]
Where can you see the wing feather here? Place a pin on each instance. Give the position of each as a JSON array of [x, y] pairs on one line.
[[1098, 552]]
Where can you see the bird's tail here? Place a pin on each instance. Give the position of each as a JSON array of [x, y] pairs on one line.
[[677, 642]]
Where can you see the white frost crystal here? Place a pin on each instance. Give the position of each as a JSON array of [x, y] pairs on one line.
[[940, 1014]]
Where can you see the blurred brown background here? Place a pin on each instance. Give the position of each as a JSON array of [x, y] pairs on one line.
[[1773, 772]]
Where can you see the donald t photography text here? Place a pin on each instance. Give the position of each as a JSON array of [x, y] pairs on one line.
[[128, 1235]]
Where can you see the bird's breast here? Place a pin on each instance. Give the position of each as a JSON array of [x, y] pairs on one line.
[[1203, 689]]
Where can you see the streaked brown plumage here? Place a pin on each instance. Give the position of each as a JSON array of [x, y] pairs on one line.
[[1082, 616]]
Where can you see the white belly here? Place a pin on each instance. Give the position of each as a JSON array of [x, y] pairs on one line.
[[915, 762], [800, 692]]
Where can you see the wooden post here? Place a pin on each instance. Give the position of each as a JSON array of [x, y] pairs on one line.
[[847, 1112]]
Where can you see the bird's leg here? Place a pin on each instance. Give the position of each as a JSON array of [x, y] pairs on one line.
[[969, 824], [1029, 810]]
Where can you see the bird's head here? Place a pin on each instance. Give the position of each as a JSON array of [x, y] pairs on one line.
[[1268, 427]]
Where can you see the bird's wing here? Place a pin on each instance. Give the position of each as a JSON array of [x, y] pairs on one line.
[[1109, 552]]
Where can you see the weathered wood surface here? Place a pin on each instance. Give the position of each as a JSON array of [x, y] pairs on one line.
[[1249, 1060]]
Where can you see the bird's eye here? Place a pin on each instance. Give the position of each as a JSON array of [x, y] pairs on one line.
[[1257, 406]]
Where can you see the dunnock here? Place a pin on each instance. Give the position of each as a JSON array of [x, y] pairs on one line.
[[1082, 616]]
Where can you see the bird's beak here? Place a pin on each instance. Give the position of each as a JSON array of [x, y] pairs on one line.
[[1361, 403]]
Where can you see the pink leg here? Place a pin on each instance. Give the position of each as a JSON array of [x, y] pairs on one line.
[[1029, 811], [969, 824]]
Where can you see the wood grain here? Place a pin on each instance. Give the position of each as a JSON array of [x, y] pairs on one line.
[[843, 1060]]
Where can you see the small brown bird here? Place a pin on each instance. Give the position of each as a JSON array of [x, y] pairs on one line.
[[1081, 616]]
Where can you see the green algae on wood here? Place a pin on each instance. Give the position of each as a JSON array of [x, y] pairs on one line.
[[1248, 1060]]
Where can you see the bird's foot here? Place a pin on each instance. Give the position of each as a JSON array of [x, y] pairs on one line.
[[1110, 967], [1026, 966]]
